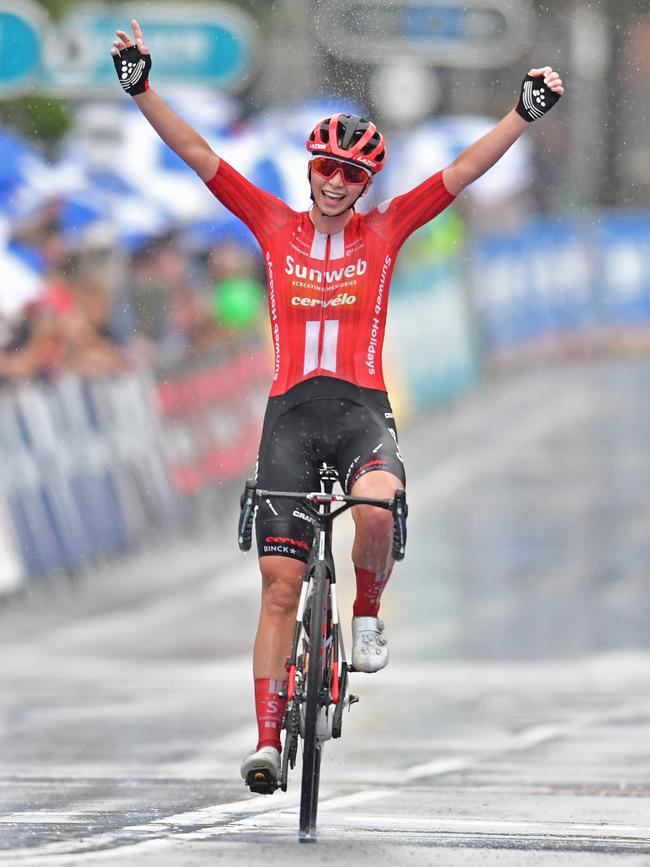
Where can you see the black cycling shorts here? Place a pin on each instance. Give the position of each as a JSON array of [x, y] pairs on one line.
[[320, 420]]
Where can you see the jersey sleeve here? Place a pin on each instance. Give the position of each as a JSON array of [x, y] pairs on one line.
[[262, 212], [396, 219]]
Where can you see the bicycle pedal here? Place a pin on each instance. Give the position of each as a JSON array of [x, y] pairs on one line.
[[261, 782]]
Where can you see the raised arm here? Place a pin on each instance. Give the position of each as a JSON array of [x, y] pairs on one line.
[[132, 63], [540, 91]]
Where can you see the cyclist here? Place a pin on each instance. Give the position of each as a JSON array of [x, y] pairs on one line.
[[328, 273]]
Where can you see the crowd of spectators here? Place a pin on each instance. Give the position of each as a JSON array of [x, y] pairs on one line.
[[101, 311]]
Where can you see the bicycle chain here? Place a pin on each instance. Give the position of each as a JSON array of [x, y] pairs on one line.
[[293, 728]]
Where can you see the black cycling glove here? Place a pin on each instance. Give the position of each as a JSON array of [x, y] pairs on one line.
[[132, 67], [535, 98]]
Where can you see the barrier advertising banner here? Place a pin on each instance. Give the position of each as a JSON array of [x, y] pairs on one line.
[[558, 283], [212, 420]]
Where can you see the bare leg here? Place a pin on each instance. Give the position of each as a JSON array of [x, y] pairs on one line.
[[373, 527], [281, 583]]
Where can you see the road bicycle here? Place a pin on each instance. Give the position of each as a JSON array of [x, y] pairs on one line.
[[317, 692]]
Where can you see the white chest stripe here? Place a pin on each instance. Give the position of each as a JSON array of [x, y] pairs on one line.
[[319, 245], [337, 246], [330, 341], [327, 360]]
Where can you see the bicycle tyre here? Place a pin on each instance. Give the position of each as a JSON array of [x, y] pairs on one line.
[[311, 753]]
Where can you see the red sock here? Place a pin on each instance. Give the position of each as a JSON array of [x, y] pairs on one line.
[[269, 708], [370, 586]]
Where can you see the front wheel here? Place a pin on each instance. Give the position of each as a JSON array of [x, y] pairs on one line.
[[312, 748]]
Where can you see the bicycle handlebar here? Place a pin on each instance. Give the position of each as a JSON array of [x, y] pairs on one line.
[[400, 512], [246, 514], [397, 505]]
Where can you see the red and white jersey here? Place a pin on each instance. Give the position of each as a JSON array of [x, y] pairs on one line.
[[328, 293]]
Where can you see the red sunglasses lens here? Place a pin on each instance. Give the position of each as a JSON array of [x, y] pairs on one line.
[[354, 174], [351, 174]]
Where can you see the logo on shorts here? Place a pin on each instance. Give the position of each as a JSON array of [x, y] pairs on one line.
[[346, 484], [285, 546], [303, 517], [376, 464], [271, 507], [393, 433]]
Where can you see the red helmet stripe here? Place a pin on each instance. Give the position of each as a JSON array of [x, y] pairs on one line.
[[334, 136]]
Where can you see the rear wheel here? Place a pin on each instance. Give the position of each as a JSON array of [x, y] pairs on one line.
[[312, 749]]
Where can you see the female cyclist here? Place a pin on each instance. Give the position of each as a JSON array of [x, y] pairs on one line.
[[328, 273]]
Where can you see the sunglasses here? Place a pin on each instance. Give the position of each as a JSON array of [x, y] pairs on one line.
[[327, 167]]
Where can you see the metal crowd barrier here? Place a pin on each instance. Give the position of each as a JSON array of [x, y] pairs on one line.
[[82, 470], [91, 468]]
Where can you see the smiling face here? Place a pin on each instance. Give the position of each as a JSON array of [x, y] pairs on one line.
[[333, 195]]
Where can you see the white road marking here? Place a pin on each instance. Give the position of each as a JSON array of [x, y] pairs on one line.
[[208, 817], [361, 797], [436, 768], [487, 827], [397, 828], [525, 740], [240, 815]]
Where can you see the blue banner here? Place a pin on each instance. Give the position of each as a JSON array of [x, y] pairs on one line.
[[562, 277], [623, 275]]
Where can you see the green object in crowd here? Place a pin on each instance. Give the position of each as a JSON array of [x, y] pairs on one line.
[[237, 302], [440, 240]]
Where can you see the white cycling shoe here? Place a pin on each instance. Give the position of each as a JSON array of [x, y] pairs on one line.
[[261, 770], [369, 644]]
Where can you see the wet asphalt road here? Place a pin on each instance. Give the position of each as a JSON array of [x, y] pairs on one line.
[[512, 726]]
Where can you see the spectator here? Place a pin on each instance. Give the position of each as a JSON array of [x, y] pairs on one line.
[[156, 312], [92, 349]]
